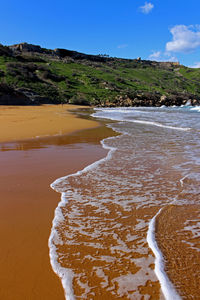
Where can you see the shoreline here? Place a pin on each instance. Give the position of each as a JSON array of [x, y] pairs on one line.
[[27, 207], [28, 203], [66, 276], [169, 287]]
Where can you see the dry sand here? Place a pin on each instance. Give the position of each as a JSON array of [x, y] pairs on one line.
[[22, 122], [27, 202]]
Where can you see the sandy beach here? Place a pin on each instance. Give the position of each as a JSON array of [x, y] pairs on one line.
[[28, 166], [25, 122], [102, 234]]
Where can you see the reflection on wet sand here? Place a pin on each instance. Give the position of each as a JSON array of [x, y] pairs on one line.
[[88, 136], [27, 207]]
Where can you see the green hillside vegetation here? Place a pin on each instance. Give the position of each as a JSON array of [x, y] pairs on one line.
[[62, 76]]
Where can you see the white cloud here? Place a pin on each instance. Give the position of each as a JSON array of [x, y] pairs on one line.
[[147, 8], [160, 56], [196, 65], [155, 55], [185, 38], [122, 46]]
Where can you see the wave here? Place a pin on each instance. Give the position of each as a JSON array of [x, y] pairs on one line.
[[167, 288], [66, 275], [161, 125], [121, 118], [195, 108]]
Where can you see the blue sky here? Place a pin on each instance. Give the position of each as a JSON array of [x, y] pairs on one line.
[[156, 29]]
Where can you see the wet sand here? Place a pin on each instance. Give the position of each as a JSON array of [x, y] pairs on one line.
[[180, 248], [97, 267], [102, 233], [27, 202]]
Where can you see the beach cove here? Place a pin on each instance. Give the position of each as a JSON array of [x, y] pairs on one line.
[[125, 221]]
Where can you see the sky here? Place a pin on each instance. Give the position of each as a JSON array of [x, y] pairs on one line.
[[157, 30]]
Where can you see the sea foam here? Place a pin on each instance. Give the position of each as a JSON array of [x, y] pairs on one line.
[[161, 125], [195, 108], [167, 288], [131, 115], [67, 275]]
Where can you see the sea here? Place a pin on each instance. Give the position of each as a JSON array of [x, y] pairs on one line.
[[128, 225]]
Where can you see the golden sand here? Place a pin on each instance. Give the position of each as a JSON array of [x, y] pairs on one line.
[[27, 202], [23, 122], [180, 248]]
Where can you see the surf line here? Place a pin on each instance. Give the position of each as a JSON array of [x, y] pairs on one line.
[[167, 287], [66, 275], [182, 179]]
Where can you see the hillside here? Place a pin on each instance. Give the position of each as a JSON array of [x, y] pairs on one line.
[[30, 74]]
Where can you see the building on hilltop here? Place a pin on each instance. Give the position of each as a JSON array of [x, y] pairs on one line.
[[175, 63]]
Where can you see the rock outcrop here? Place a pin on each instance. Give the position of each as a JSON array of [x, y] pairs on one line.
[[26, 47], [10, 96], [153, 99], [61, 53], [20, 96]]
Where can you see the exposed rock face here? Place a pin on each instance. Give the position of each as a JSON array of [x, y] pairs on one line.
[[26, 47], [77, 55], [21, 96], [61, 53], [32, 97], [9, 96], [153, 99]]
